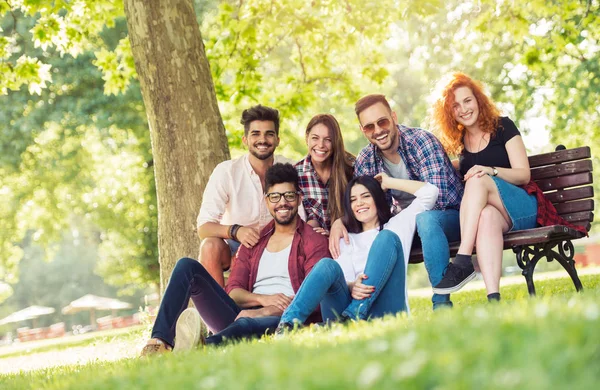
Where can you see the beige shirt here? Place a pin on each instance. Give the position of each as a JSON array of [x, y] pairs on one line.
[[234, 194]]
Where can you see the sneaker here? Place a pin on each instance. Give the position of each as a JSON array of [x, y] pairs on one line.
[[190, 331], [154, 347], [454, 279]]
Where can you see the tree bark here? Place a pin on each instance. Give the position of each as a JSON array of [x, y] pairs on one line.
[[187, 133]]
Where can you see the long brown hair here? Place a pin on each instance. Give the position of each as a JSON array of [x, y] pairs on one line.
[[450, 131], [342, 164]]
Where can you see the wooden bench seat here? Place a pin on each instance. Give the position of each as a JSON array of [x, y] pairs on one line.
[[565, 176]]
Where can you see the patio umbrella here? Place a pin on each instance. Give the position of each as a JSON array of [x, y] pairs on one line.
[[92, 303], [29, 313]]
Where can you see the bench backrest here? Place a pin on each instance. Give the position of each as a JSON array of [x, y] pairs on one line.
[[565, 176]]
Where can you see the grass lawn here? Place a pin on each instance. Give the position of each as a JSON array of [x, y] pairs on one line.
[[552, 341]]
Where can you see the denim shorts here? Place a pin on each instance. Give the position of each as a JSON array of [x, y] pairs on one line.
[[520, 206], [233, 245]]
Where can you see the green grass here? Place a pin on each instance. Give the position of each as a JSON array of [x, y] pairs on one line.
[[551, 341]]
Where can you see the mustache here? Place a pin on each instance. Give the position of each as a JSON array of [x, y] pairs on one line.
[[263, 144], [284, 208]]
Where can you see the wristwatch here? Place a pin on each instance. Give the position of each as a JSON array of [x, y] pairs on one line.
[[494, 171]]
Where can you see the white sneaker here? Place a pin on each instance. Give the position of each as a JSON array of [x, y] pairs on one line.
[[189, 330]]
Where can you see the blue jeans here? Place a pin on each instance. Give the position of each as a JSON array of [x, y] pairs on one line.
[[191, 280], [436, 228], [326, 285]]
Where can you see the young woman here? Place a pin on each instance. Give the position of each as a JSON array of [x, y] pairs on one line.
[[324, 172], [368, 278], [494, 166]]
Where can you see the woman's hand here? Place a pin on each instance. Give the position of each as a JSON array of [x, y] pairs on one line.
[[337, 232], [478, 171], [321, 231], [361, 291], [382, 179]]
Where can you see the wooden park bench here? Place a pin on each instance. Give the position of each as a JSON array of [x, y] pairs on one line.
[[565, 176]]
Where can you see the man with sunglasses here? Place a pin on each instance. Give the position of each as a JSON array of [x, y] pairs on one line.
[[232, 211], [409, 153], [264, 278]]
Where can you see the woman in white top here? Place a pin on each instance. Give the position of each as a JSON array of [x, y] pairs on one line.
[[369, 277]]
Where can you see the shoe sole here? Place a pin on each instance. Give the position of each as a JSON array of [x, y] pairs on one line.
[[188, 330], [449, 290]]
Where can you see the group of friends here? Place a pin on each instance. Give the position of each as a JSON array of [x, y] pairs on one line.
[[329, 237]]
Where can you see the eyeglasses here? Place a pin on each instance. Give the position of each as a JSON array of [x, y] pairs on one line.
[[275, 197], [383, 123]]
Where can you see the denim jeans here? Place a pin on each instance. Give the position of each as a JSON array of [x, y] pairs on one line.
[[436, 228], [326, 285], [191, 280]]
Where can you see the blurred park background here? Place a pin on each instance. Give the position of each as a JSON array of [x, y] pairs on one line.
[[78, 207]]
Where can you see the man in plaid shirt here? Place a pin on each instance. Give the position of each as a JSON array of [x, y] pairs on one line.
[[410, 153]]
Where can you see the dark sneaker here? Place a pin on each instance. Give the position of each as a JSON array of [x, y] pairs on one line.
[[190, 331], [454, 279]]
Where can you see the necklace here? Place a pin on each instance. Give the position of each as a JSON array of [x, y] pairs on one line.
[[478, 147]]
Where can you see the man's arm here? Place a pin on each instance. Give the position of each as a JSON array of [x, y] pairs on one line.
[[246, 299]]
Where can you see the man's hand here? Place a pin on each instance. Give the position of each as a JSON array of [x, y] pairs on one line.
[[361, 291], [247, 236], [338, 230], [280, 301], [262, 312]]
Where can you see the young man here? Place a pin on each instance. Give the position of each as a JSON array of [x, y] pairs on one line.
[[233, 211], [264, 278], [410, 153]]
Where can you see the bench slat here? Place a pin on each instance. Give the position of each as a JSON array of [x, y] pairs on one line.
[[581, 216], [572, 207], [565, 181], [560, 156], [570, 194], [561, 169]]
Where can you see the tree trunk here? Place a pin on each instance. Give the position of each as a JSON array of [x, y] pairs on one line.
[[187, 133]]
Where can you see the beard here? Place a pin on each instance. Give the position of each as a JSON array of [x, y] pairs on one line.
[[262, 155], [286, 220]]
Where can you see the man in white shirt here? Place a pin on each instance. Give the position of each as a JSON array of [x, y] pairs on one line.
[[233, 211]]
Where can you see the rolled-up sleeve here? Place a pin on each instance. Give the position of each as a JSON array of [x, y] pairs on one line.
[[216, 196], [240, 271]]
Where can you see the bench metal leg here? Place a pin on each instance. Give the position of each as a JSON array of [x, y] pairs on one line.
[[565, 256], [528, 257]]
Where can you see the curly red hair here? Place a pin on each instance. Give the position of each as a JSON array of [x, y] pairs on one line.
[[450, 131]]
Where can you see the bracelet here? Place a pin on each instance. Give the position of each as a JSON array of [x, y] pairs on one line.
[[229, 231], [234, 229]]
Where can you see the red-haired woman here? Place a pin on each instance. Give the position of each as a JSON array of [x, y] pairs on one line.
[[494, 164], [324, 172]]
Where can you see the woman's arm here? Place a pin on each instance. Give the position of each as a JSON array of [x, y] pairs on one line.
[[391, 183], [456, 164], [519, 173]]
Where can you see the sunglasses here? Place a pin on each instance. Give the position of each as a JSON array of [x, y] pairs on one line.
[[383, 123], [275, 197]]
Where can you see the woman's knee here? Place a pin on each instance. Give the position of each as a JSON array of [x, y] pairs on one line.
[[326, 264], [490, 218], [387, 236]]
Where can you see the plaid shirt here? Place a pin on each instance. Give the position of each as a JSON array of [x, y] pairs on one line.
[[315, 194], [546, 212], [425, 160]]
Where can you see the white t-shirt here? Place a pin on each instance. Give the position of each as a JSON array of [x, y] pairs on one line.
[[273, 275], [353, 257]]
